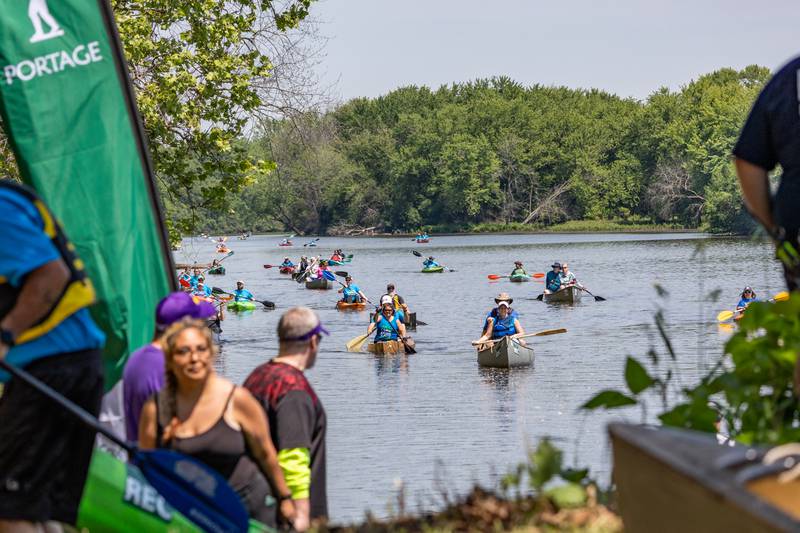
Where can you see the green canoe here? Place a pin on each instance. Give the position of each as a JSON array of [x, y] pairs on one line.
[[429, 270], [117, 498], [241, 305]]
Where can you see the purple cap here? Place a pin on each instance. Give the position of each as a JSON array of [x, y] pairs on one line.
[[179, 305], [316, 331]]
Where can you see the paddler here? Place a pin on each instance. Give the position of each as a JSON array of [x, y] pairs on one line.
[[303, 264], [748, 296], [552, 282], [502, 321], [430, 263], [337, 256], [567, 278], [196, 275], [397, 301], [241, 294], [185, 278], [518, 270], [287, 263], [389, 325], [351, 293], [201, 290]]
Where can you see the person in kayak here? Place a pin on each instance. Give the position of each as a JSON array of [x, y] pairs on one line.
[[287, 263], [241, 294], [201, 290], [552, 282], [387, 324], [196, 275], [337, 256], [748, 296], [518, 270], [502, 321], [351, 293], [430, 263], [205, 416]]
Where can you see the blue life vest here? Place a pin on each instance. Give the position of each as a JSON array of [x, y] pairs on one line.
[[502, 327], [553, 281], [387, 330], [744, 302]]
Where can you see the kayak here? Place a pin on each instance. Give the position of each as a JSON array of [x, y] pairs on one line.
[[333, 262], [423, 241], [117, 494], [505, 353], [347, 306], [223, 250], [217, 271], [387, 347], [519, 278], [286, 244], [429, 270], [242, 305], [286, 269]]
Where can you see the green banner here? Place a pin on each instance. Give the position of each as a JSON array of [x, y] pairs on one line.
[[67, 107]]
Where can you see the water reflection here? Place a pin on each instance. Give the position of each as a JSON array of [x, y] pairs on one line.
[[387, 364]]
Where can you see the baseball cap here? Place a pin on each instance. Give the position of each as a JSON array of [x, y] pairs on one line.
[[179, 305], [386, 299]]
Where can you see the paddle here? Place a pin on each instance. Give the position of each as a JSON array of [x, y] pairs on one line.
[[420, 255], [311, 242], [724, 316], [596, 298], [537, 275], [539, 334], [355, 344], [193, 489], [302, 275], [220, 261], [279, 266], [265, 303]]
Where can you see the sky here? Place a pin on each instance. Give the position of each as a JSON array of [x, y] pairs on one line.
[[626, 47]]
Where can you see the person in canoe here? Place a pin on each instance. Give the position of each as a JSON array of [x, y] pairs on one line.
[[241, 294], [430, 263], [502, 321], [388, 324], [351, 293], [397, 301], [747, 297], [567, 277], [518, 270], [552, 282], [303, 264]]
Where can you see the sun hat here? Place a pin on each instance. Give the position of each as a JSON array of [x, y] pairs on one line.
[[556, 264], [503, 297], [517, 262], [179, 305]]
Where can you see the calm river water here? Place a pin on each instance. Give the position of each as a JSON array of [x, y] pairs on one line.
[[435, 420]]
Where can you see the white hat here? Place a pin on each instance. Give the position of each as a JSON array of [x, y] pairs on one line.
[[386, 299], [503, 303]]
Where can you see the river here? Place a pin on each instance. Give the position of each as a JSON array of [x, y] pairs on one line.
[[437, 422]]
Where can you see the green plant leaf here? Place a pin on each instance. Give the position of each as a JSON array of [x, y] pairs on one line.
[[609, 399], [636, 376], [574, 475], [569, 495], [545, 464]]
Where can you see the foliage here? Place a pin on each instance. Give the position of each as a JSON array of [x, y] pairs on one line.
[[749, 389]]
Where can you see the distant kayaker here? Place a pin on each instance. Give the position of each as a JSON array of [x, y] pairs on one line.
[[351, 293], [207, 417], [518, 270], [337, 256], [748, 296], [196, 275], [567, 278], [241, 294], [552, 282], [201, 290], [144, 372], [287, 263], [397, 301], [185, 279], [297, 419], [45, 328], [430, 263], [502, 321], [388, 323]]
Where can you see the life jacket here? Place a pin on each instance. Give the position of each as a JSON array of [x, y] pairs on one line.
[[79, 292], [503, 327], [387, 330]]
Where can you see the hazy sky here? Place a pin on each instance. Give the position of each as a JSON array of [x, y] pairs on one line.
[[626, 47]]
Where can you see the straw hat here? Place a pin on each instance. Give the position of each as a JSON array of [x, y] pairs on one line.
[[503, 297]]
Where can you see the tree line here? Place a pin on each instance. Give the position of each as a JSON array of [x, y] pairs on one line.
[[494, 154]]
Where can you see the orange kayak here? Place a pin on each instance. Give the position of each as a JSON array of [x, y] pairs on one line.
[[345, 306]]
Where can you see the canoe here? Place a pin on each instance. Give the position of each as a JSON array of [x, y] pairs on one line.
[[217, 271], [117, 497], [410, 320], [570, 295], [346, 306], [286, 269], [678, 480], [519, 278], [241, 305], [387, 347], [505, 353], [430, 270], [319, 283]]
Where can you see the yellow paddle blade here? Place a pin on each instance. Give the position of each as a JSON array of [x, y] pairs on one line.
[[724, 316], [354, 345], [550, 332], [781, 296]]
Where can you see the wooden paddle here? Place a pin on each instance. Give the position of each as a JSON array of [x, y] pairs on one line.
[[265, 303], [537, 275], [183, 481], [355, 344], [724, 316], [539, 334]]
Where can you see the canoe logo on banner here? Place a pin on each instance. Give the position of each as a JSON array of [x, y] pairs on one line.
[[141, 495], [40, 15], [45, 27]]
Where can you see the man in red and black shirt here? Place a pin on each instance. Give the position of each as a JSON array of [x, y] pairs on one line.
[[296, 417]]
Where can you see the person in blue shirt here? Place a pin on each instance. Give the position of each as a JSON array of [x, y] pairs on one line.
[[502, 321], [45, 328], [287, 263], [429, 263], [196, 275], [351, 293], [748, 296], [201, 289], [241, 294], [552, 282], [387, 324]]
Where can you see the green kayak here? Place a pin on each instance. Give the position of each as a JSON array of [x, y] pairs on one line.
[[519, 278], [217, 271], [429, 270], [117, 497], [241, 305]]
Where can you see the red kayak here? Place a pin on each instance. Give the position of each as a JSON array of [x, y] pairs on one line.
[[286, 270], [286, 244]]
